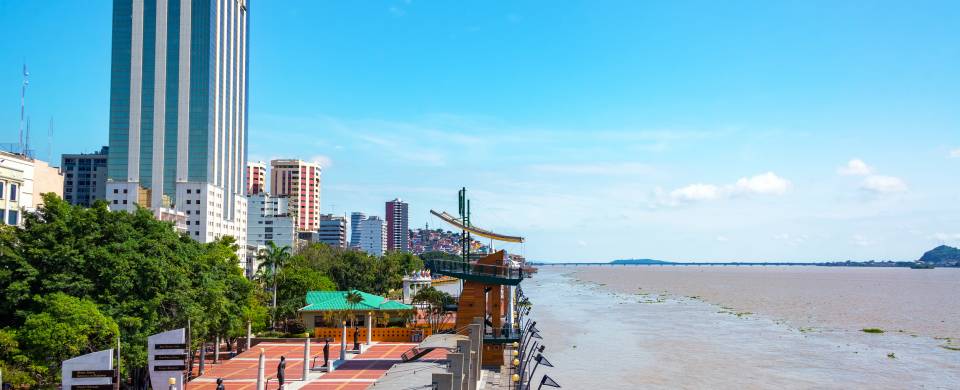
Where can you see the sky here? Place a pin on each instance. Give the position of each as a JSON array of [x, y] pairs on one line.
[[677, 130]]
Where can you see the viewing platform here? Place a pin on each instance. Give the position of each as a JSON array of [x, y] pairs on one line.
[[481, 273]]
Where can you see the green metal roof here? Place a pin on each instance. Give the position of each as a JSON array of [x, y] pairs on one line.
[[337, 301]]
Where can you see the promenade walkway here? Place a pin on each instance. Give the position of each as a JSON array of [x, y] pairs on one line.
[[358, 372]]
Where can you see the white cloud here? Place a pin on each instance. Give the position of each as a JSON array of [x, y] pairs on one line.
[[855, 167], [883, 184], [696, 192], [322, 160], [955, 153], [764, 184]]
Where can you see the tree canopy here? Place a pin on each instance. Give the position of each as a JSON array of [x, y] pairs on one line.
[[125, 272]]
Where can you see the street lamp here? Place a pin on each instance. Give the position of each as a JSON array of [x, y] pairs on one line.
[[172, 382], [540, 360]]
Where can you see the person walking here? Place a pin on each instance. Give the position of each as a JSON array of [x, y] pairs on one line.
[[220, 384], [280, 370]]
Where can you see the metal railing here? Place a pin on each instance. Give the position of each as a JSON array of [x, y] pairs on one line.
[[459, 266], [502, 333]]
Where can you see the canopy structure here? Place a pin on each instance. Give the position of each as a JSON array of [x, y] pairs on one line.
[[337, 301], [446, 217]]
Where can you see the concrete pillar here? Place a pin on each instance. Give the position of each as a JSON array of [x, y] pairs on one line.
[[216, 351], [369, 328], [472, 377], [343, 340], [249, 335], [306, 358], [511, 305], [456, 369], [476, 344], [442, 381], [261, 383]]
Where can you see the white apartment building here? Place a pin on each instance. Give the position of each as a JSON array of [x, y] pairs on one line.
[[373, 235], [22, 182], [269, 220]]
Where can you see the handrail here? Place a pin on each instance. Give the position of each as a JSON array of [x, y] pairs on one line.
[[474, 268]]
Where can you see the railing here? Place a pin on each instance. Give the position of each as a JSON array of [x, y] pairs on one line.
[[458, 266], [507, 333]]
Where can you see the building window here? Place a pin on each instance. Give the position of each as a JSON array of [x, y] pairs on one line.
[[13, 193], [12, 217], [1, 189], [124, 201], [116, 191]]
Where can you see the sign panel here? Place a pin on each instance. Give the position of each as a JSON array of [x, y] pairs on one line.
[[92, 387], [170, 346], [94, 374], [167, 354], [181, 356], [170, 368], [93, 371]]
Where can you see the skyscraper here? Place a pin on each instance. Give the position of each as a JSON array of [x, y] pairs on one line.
[[300, 180], [178, 112], [398, 233], [256, 178], [355, 218], [333, 230]]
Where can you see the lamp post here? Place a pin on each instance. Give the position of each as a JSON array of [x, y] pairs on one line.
[[526, 362], [540, 360], [172, 382]]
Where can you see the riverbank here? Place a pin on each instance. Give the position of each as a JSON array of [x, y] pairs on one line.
[[609, 339], [921, 302]]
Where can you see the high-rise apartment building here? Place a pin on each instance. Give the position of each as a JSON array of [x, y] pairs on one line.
[[398, 232], [299, 180], [84, 177], [355, 218], [333, 230], [178, 112], [373, 236], [256, 178], [270, 221]]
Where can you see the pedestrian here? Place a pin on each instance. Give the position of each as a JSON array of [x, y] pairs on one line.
[[220, 384], [326, 351], [280, 368]]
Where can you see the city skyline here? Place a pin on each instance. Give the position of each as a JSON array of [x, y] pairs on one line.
[[767, 137]]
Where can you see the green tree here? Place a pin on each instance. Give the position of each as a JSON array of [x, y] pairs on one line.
[[66, 327], [138, 271], [272, 259], [436, 302]]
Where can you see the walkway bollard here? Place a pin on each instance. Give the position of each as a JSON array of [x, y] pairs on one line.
[[369, 328], [203, 356], [260, 382], [343, 340], [306, 358]]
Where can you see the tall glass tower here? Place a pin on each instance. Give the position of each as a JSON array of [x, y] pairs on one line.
[[178, 111]]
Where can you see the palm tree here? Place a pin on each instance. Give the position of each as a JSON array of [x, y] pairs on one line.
[[353, 299], [273, 258]]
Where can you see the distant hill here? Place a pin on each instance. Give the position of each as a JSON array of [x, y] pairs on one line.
[[639, 261], [942, 255]]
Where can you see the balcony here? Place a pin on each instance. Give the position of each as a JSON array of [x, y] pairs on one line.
[[504, 335], [483, 273]]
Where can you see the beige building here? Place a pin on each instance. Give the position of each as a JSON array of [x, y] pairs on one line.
[[22, 182], [300, 182]]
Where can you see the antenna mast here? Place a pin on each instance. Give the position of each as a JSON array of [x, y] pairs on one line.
[[23, 97]]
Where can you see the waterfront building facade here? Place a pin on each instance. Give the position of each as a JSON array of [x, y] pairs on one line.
[[299, 180], [84, 177], [355, 218], [333, 230], [178, 112], [22, 180], [373, 236], [256, 178], [398, 232]]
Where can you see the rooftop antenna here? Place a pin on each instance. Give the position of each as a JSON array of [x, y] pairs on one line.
[[23, 97], [26, 143]]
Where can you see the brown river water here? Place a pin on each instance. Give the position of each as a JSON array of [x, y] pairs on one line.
[[709, 327]]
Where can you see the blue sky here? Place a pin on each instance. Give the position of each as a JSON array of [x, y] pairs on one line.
[[685, 130]]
